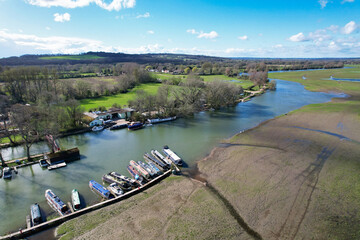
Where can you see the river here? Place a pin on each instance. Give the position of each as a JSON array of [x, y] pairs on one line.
[[107, 151]]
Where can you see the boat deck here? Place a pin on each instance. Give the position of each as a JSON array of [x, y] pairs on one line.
[[56, 166]]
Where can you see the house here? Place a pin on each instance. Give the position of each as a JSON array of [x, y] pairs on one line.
[[97, 122], [111, 114]]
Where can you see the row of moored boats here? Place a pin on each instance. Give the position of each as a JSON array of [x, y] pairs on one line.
[[142, 172], [134, 125]]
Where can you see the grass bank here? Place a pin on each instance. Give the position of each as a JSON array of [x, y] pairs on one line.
[[317, 80], [121, 98]]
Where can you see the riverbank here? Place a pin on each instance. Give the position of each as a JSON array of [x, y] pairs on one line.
[[294, 177]]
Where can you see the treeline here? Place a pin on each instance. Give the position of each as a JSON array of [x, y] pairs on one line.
[[190, 96], [105, 58], [31, 84]]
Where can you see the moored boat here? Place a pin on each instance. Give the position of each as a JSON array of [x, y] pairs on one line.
[[135, 125], [56, 203], [160, 120], [97, 128], [160, 157], [135, 174], [140, 170], [35, 214], [43, 163], [115, 189], [147, 168], [118, 126], [99, 189], [131, 181], [172, 155], [149, 158], [75, 198], [7, 173], [155, 168]]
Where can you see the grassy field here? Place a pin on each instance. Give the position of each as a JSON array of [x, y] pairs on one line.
[[121, 98], [72, 57], [316, 80], [208, 78]]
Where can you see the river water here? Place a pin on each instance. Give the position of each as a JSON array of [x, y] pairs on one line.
[[107, 151]]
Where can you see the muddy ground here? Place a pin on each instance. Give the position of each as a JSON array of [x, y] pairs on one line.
[[288, 181]]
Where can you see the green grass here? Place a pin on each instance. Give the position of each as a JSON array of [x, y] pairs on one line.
[[6, 140], [346, 107], [121, 98], [316, 80], [71, 57]]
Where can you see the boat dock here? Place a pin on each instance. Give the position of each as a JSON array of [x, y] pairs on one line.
[[57, 221]]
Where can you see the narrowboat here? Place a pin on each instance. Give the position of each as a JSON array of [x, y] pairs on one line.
[[35, 214], [173, 157], [160, 157], [160, 120], [135, 174], [131, 181], [147, 168], [135, 125], [99, 189], [115, 189], [7, 173], [142, 171], [149, 158], [56, 203], [118, 126], [75, 198], [155, 168]]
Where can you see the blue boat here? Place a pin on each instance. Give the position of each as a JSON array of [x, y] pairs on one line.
[[99, 189], [135, 125], [35, 214], [56, 203]]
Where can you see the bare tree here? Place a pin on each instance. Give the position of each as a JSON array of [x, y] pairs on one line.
[[27, 121]]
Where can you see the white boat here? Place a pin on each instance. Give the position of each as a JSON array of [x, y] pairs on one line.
[[172, 156], [56, 203], [160, 120], [56, 166], [97, 128], [160, 157], [7, 173], [115, 189]]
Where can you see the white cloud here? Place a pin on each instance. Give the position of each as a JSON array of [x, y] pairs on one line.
[[48, 28], [333, 28], [145, 15], [300, 37], [201, 34], [62, 17], [243, 37], [114, 5], [210, 35], [192, 31], [54, 44], [349, 27], [323, 3], [150, 32]]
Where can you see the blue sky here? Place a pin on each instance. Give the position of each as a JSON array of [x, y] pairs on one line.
[[229, 28]]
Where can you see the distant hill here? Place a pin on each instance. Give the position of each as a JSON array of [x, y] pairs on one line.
[[106, 58]]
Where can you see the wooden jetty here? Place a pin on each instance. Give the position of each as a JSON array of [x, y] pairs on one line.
[[57, 221]]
